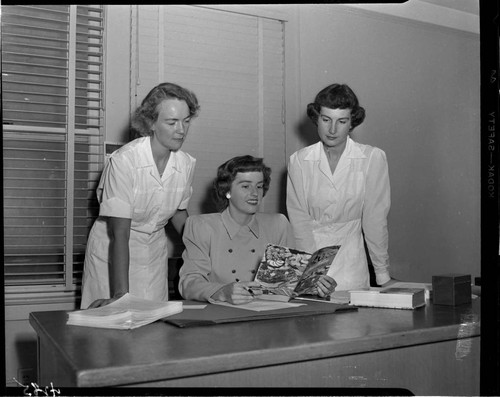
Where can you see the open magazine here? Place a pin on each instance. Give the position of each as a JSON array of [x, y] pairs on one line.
[[285, 273]]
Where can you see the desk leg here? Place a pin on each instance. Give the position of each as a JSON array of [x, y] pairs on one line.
[[52, 369]]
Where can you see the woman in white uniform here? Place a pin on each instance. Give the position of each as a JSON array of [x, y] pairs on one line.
[[338, 192], [144, 185]]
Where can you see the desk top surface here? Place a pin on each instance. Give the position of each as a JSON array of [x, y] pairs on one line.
[[162, 351]]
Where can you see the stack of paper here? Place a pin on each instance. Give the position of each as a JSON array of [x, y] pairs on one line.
[[128, 312]]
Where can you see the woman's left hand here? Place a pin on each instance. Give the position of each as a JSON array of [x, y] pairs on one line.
[[325, 285], [389, 283]]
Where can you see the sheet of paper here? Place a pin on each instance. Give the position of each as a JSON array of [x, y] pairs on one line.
[[261, 305], [190, 305]]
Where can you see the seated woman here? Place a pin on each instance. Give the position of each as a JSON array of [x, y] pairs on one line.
[[223, 250]]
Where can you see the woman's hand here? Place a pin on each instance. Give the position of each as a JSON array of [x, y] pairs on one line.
[[104, 302], [325, 285], [237, 293], [390, 282]]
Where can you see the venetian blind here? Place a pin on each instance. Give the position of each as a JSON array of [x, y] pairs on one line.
[[52, 84], [234, 64]]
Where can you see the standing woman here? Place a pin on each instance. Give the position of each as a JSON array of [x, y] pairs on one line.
[[144, 185], [338, 191]]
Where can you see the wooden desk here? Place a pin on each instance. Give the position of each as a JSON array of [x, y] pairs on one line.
[[433, 350]]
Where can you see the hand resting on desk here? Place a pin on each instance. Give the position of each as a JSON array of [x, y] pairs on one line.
[[237, 293], [104, 302], [390, 282]]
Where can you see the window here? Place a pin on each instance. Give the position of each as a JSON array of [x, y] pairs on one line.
[[52, 85]]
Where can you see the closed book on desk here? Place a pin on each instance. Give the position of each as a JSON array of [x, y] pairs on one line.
[[389, 297], [128, 312]]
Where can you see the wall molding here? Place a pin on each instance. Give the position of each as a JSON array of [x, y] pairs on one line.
[[421, 13]]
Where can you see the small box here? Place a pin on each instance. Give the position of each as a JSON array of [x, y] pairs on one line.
[[451, 289]]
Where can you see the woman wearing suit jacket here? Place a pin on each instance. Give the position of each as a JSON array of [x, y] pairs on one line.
[[224, 249]]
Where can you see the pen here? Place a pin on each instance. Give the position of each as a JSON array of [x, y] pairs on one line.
[[249, 290]]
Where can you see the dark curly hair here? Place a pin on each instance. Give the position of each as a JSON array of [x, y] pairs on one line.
[[147, 113], [226, 174], [337, 96]]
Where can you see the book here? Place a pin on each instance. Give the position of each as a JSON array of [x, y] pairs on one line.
[[388, 297], [286, 273], [128, 312], [406, 284]]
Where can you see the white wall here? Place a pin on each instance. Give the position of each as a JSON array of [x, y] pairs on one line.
[[117, 74]]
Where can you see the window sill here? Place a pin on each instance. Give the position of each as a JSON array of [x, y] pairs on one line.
[[18, 306], [30, 294]]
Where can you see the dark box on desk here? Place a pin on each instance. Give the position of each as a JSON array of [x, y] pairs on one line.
[[451, 289]]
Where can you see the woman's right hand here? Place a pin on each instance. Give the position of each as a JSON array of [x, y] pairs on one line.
[[237, 293], [104, 302]]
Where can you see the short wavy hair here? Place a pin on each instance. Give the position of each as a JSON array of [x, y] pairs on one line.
[[337, 96], [226, 174], [147, 113]]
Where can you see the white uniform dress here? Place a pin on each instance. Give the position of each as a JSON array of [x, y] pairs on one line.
[[326, 209], [131, 187]]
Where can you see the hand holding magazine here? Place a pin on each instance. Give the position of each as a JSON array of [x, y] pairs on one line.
[[128, 312], [285, 273]]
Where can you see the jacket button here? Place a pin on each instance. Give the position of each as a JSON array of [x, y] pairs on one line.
[[230, 250], [252, 250], [237, 280], [233, 271]]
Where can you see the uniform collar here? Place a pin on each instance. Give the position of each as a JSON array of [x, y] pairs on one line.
[[146, 156], [352, 150], [233, 228]]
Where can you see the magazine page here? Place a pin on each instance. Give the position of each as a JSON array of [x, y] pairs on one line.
[[318, 265], [280, 270]]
